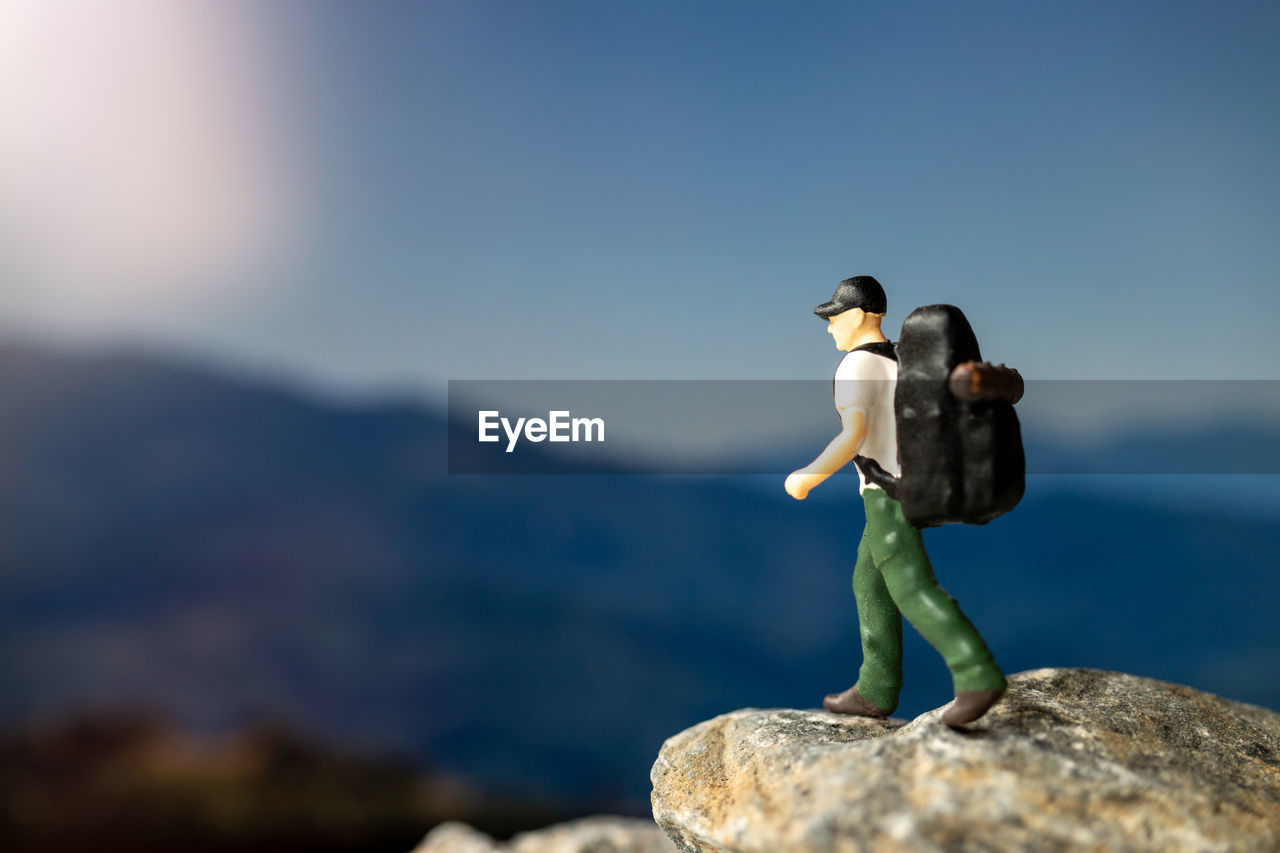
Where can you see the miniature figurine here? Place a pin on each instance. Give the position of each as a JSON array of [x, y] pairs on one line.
[[932, 432]]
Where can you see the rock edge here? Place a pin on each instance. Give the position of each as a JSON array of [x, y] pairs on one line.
[[1070, 759]]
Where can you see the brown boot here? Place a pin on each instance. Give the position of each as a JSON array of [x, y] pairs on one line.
[[851, 702], [970, 705]]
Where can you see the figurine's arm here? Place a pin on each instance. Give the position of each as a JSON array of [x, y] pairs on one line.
[[853, 429]]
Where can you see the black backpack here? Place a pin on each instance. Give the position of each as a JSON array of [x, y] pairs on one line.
[[959, 443]]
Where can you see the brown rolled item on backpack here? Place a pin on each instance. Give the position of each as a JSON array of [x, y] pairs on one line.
[[982, 380]]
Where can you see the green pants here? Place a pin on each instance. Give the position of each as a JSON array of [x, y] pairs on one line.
[[893, 578]]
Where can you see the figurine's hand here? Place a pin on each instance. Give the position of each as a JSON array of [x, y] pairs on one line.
[[800, 482]]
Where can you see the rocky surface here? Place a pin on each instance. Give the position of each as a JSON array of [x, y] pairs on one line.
[[1071, 759], [589, 835]]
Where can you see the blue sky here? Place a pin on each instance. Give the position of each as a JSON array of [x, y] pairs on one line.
[[663, 189]]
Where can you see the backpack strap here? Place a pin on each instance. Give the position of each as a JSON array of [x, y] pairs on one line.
[[873, 472], [888, 349]]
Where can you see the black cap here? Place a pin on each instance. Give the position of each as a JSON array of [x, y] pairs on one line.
[[861, 291]]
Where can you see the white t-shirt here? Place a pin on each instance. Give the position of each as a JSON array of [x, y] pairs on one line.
[[865, 382]]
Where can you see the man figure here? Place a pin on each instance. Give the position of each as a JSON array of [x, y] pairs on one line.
[[893, 576]]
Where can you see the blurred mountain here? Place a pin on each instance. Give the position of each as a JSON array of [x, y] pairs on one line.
[[130, 781], [216, 548]]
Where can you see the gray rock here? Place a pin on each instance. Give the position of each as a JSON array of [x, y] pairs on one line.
[[1071, 759], [455, 837], [601, 834]]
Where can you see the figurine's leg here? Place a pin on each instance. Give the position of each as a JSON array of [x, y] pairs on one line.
[[880, 624], [899, 554]]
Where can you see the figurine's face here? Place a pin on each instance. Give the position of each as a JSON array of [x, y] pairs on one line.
[[848, 327]]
